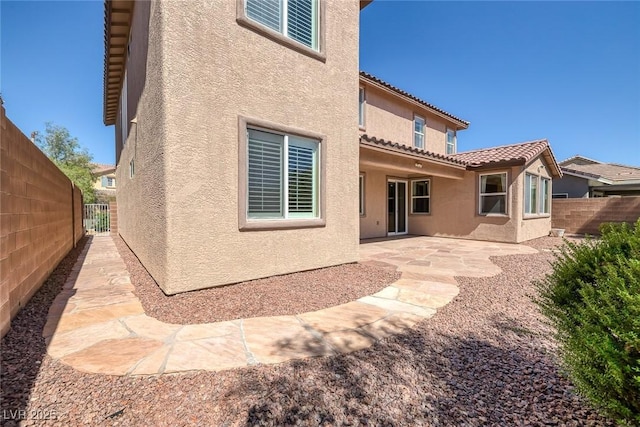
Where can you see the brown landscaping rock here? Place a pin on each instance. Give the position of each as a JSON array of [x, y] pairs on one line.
[[484, 359]]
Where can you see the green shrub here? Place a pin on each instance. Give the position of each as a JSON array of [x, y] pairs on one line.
[[592, 297]]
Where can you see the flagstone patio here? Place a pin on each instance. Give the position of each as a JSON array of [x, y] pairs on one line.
[[97, 324]]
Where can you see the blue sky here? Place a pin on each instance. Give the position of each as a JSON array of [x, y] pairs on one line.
[[567, 71]]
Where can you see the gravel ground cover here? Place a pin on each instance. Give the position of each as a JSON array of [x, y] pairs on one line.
[[485, 359], [273, 296]]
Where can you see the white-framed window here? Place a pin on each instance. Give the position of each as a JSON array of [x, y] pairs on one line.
[[132, 168], [418, 132], [493, 193], [361, 107], [545, 200], [530, 194], [361, 193], [536, 195], [451, 141], [283, 176], [111, 182], [421, 196], [295, 19]]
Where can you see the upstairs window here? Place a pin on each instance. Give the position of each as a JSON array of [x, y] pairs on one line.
[[418, 132], [361, 107], [295, 19], [493, 193], [451, 141]]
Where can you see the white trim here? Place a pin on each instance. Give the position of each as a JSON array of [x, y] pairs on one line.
[[406, 210], [446, 141], [361, 199], [362, 96], [415, 132], [284, 175], [505, 194], [428, 196]]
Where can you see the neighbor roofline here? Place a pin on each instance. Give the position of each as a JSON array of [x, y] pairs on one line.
[[406, 96]]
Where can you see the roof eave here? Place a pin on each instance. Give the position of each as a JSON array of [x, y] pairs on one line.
[[117, 24]]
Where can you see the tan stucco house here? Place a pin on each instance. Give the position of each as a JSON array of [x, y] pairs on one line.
[[413, 180], [241, 153]]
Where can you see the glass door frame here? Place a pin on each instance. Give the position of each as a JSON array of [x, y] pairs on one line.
[[406, 206]]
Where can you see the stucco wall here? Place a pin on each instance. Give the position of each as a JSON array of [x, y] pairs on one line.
[[585, 215], [389, 117], [454, 205], [213, 70], [572, 185], [141, 199], [38, 208]]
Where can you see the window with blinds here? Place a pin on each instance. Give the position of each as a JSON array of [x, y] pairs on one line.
[[265, 174], [296, 19], [268, 153]]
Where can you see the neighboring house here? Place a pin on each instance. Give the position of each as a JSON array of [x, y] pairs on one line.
[[105, 183], [238, 146], [584, 177], [105, 178]]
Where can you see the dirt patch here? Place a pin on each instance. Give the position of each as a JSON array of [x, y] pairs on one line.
[[273, 296]]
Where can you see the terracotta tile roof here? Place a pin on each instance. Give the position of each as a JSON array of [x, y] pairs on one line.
[[525, 151], [617, 174], [366, 76], [394, 146]]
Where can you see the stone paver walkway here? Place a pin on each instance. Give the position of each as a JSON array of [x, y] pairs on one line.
[[97, 325]]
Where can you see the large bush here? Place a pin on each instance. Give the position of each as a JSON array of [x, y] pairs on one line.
[[592, 297]]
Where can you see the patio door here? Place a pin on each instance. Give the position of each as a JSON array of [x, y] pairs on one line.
[[397, 213]]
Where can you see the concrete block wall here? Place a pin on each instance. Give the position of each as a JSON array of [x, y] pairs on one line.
[[584, 216], [38, 208]]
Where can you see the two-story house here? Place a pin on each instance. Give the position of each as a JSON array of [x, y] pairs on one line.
[[241, 152], [236, 136], [414, 181]]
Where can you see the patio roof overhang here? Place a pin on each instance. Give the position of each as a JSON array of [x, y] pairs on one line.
[[406, 163]]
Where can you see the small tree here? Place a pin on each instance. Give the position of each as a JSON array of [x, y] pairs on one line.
[[66, 153], [592, 297]]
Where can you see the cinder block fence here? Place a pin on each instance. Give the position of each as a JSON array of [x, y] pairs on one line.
[[40, 219], [584, 216]]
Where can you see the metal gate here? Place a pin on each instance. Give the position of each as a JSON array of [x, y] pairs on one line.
[[96, 219]]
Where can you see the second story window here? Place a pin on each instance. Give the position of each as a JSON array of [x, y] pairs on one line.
[[418, 132], [451, 141], [295, 19], [361, 107]]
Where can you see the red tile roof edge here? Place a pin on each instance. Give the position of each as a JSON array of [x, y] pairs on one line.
[[412, 97], [400, 147]]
